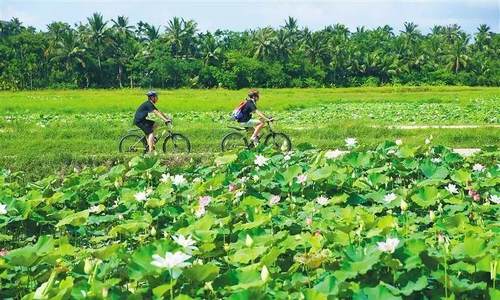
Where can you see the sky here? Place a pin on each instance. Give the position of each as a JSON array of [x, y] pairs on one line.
[[247, 14]]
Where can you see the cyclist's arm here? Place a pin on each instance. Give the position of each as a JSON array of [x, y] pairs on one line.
[[262, 116], [162, 115]]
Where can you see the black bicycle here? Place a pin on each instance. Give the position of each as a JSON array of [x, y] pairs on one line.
[[134, 141], [237, 139]]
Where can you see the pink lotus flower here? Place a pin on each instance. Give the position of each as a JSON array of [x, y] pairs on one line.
[[232, 187], [309, 221], [302, 178], [3, 252], [205, 200]]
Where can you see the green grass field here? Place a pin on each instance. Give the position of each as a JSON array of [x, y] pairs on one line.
[[48, 130]]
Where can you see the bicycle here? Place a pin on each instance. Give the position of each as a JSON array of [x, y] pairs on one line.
[[134, 141], [236, 140]]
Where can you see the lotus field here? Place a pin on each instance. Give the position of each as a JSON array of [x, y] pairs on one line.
[[391, 222]]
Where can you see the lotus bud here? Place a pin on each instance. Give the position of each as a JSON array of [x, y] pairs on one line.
[[88, 266], [105, 292], [153, 231], [403, 205], [264, 274], [248, 241], [432, 215], [440, 208], [226, 247]]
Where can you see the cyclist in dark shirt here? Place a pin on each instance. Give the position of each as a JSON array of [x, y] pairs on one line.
[[247, 110], [148, 126]]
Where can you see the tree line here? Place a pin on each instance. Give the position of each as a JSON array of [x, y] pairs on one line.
[[114, 53]]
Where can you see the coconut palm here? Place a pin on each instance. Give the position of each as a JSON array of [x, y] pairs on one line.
[[457, 55], [97, 35], [263, 45]]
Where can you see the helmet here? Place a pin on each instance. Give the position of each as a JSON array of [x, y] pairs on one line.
[[253, 93], [151, 94]]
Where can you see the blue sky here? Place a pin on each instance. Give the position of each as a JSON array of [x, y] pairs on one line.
[[240, 15]]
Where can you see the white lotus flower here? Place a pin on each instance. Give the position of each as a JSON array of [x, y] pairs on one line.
[[3, 209], [171, 260], [350, 142], [248, 241], [391, 151], [403, 205], [243, 179], [302, 178], [165, 178], [260, 160], [198, 180], [287, 157], [478, 168], [399, 142], [390, 197], [436, 160], [239, 194], [451, 188], [432, 215], [333, 154], [495, 199], [141, 196], [322, 200], [187, 243], [179, 180], [94, 209], [389, 245], [264, 274], [274, 200], [427, 141], [200, 212]]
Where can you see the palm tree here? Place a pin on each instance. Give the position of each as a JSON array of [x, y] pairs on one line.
[[210, 50], [69, 51], [263, 43], [122, 27], [180, 36], [483, 37], [98, 34], [458, 53], [315, 47], [283, 46]]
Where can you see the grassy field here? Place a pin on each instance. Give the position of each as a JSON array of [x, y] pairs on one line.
[[43, 131]]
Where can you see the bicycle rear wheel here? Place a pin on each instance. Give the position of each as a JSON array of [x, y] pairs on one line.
[[279, 141], [133, 143], [234, 141], [176, 143]]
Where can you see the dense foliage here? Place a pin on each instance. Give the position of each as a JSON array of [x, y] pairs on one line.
[[390, 223], [114, 53]]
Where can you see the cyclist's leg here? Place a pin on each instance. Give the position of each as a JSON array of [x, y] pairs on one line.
[[149, 131], [259, 124]]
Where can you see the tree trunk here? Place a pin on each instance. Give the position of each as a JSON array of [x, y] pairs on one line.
[[119, 76]]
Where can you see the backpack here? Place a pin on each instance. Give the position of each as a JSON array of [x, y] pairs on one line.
[[237, 113]]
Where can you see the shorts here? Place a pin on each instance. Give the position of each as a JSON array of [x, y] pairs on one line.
[[250, 123], [146, 126]]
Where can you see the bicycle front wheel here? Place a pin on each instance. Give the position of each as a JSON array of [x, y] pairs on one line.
[[133, 143], [279, 141], [176, 143], [234, 141]]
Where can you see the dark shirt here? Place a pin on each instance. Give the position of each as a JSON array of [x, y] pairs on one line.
[[247, 110], [143, 111]]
